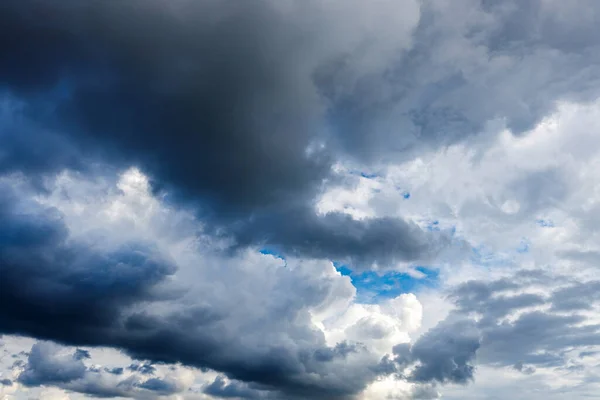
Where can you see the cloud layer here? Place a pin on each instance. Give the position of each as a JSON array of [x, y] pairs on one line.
[[91, 284], [204, 185]]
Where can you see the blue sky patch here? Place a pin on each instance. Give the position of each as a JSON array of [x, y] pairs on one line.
[[523, 246], [433, 226], [484, 256], [373, 287], [272, 252], [545, 223], [368, 175]]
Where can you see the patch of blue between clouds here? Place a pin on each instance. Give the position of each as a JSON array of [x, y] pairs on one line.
[[272, 252], [545, 223], [372, 175], [373, 287], [523, 246], [485, 257], [433, 226], [368, 176]]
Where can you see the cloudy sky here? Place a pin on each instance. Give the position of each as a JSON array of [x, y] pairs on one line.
[[300, 199]]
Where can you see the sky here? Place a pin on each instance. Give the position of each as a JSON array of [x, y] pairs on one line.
[[300, 199]]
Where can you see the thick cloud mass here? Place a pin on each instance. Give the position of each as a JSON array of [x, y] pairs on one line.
[[64, 279], [234, 95], [215, 100], [153, 154], [444, 354], [49, 364], [379, 241], [243, 107], [475, 63], [537, 336], [528, 290], [46, 367], [49, 282], [209, 98]]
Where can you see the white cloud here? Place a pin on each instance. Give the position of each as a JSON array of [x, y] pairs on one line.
[[282, 300], [477, 121], [526, 203]]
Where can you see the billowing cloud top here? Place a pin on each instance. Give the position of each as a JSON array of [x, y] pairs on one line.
[[299, 199]]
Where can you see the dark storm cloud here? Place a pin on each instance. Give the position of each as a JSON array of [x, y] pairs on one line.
[[384, 241], [49, 283], [207, 96], [226, 103], [214, 100], [76, 292]]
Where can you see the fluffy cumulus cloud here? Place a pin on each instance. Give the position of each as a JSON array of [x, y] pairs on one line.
[[299, 199], [521, 306], [107, 264]]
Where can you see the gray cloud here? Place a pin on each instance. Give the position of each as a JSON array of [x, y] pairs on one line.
[[489, 299], [52, 283], [81, 354], [478, 332], [579, 296], [444, 354], [115, 370], [65, 289], [527, 370], [52, 365], [241, 109], [382, 241], [46, 367], [425, 392], [160, 386], [222, 389], [536, 337], [230, 122], [471, 63], [216, 101], [144, 368]]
